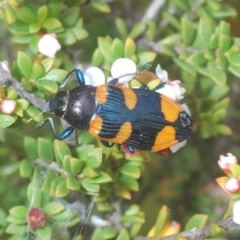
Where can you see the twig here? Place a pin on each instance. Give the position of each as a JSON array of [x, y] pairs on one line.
[[7, 80], [200, 234], [152, 10]]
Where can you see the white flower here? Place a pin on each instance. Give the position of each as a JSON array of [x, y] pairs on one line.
[[224, 162], [124, 69], [97, 221], [94, 76], [236, 212], [48, 45], [8, 106], [161, 74], [172, 90]]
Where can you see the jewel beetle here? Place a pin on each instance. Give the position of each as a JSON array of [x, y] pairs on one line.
[[137, 118]]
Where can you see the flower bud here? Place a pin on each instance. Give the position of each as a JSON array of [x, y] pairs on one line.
[[36, 218], [8, 106], [232, 185], [224, 162]]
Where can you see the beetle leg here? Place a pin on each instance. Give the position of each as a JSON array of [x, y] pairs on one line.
[[66, 133], [107, 144], [79, 74]]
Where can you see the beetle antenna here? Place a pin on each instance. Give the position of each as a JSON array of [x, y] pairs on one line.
[[29, 120]]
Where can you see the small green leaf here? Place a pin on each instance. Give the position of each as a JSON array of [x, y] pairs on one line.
[[221, 61], [19, 211], [104, 207], [174, 21], [235, 70], [117, 48], [133, 219], [49, 178], [44, 233], [128, 182], [34, 195], [42, 13], [223, 129], [34, 27], [69, 17], [162, 219], [146, 57], [130, 48], [37, 71], [151, 29], [225, 11], [217, 75], [25, 168], [101, 6], [51, 24], [47, 86], [98, 234], [130, 171], [213, 43], [123, 235], [234, 49], [197, 221], [234, 59], [94, 158], [171, 39], [45, 150], [22, 103], [53, 208], [105, 48], [196, 59], [224, 28], [25, 64], [30, 145], [10, 16], [235, 169], [16, 229], [55, 75], [122, 27], [102, 178], [137, 30], [54, 9], [185, 66], [132, 210], [72, 165], [79, 33], [25, 14], [109, 232], [15, 220], [90, 187], [61, 190], [224, 42], [73, 183], [97, 57], [6, 120], [90, 173], [47, 64], [209, 54], [61, 149], [188, 32]]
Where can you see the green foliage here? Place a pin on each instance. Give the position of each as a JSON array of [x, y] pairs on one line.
[[193, 43]]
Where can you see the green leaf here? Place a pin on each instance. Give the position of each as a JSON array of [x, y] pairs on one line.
[[79, 33], [196, 59], [123, 235], [54, 9], [55, 75], [234, 49], [10, 16], [151, 29], [30, 145], [34, 27], [67, 37], [70, 16], [117, 48], [89, 173], [22, 103], [133, 219], [146, 57], [217, 75], [90, 187], [53, 208], [37, 71], [47, 86], [128, 182], [19, 211], [16, 229], [109, 232], [224, 28], [235, 169], [6, 120], [102, 178], [101, 6], [34, 195], [49, 178], [72, 165], [197, 221], [25, 14], [42, 13], [221, 61], [188, 32], [98, 234], [122, 27], [73, 183], [44, 233], [225, 11], [223, 129], [162, 219], [234, 59], [130, 171], [224, 42], [213, 43], [45, 150], [104, 207], [185, 66], [235, 70], [132, 210], [129, 48], [171, 39], [174, 21], [61, 149], [94, 158], [137, 30], [25, 64], [25, 168], [51, 24], [33, 44], [97, 57], [47, 64], [15, 220], [61, 190], [105, 48]]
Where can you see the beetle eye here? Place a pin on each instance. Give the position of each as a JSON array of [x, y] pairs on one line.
[[58, 104]]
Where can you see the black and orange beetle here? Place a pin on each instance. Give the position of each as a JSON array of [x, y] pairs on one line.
[[137, 118]]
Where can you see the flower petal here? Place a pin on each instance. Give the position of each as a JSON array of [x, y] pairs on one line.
[[161, 74], [94, 76], [236, 211]]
